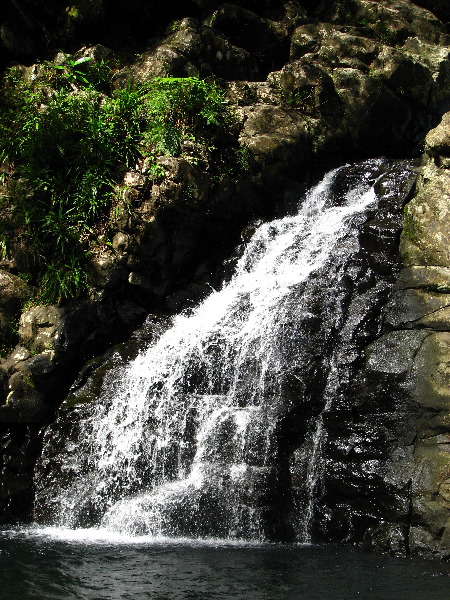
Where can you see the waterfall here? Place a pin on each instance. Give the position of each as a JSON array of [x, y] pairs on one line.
[[194, 436]]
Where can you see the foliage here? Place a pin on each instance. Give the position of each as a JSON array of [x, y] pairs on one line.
[[179, 108], [233, 161], [174, 26], [65, 139], [78, 73]]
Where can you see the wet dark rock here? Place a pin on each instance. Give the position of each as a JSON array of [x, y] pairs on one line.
[[394, 352], [418, 310]]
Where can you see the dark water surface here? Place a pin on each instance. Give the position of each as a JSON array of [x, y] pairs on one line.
[[43, 565]]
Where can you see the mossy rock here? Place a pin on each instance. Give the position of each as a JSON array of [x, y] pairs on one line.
[[425, 239]]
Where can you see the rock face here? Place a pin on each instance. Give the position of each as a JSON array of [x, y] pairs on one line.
[[312, 85], [387, 450], [424, 290]]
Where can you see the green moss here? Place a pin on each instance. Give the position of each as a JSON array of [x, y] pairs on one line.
[[28, 379], [409, 226], [76, 400], [356, 20], [174, 26], [81, 9], [380, 27], [73, 13]]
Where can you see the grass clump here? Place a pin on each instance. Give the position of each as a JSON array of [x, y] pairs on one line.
[[180, 108], [66, 138]]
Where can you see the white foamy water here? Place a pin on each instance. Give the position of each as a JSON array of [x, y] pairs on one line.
[[101, 536], [183, 440]]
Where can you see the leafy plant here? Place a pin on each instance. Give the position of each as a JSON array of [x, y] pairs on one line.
[[243, 158], [64, 278], [72, 72], [66, 149], [66, 142], [179, 108], [9, 336], [174, 26]]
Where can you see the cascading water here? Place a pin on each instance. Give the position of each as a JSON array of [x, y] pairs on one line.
[[193, 437]]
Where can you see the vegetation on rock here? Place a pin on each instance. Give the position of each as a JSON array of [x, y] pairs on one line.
[[66, 139]]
